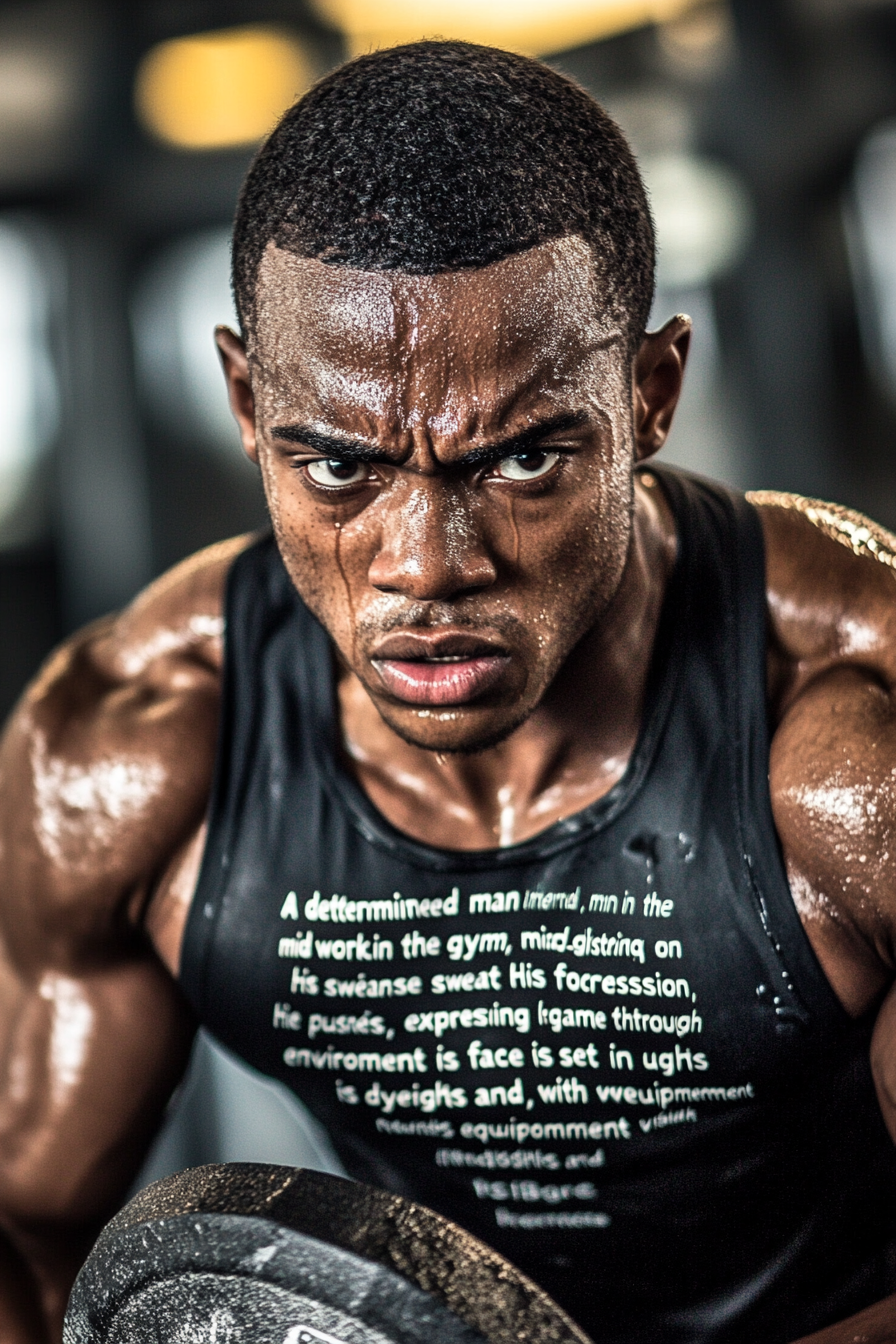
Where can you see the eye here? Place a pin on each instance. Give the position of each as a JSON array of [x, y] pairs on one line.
[[526, 466], [334, 471]]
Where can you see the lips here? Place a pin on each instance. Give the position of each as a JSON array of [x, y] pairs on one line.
[[443, 669]]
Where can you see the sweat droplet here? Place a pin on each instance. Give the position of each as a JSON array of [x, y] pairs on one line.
[[514, 529]]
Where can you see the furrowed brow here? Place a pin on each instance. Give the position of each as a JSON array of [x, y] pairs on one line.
[[330, 445], [524, 442], [356, 450]]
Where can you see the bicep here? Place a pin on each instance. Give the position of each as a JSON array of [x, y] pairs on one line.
[[87, 1063], [833, 776], [833, 789]]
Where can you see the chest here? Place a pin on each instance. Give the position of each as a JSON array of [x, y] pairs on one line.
[[632, 968]]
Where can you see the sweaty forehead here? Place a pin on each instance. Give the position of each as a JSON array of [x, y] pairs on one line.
[[335, 332]]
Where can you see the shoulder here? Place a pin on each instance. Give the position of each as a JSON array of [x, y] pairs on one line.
[[128, 666], [106, 762], [831, 590], [179, 617]]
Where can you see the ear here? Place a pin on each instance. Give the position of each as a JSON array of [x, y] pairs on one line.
[[232, 352], [658, 370]]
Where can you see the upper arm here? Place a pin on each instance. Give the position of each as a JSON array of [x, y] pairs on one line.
[[88, 1062], [104, 771], [832, 671]]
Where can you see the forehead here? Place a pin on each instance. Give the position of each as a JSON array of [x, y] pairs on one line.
[[384, 340]]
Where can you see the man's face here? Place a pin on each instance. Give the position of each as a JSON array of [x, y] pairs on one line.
[[448, 465]]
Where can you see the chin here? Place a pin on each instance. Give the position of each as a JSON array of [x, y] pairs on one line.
[[453, 731]]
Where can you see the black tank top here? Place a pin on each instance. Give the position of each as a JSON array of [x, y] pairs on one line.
[[608, 1051]]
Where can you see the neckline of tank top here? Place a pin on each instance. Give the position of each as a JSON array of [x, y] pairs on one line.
[[667, 660]]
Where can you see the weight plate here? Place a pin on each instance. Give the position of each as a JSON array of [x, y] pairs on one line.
[[274, 1255]]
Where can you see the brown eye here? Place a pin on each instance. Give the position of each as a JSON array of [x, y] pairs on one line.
[[527, 466], [333, 471]]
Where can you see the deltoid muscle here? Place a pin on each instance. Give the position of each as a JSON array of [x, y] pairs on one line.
[[851, 529]]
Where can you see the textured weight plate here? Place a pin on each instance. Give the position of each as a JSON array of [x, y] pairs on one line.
[[252, 1254]]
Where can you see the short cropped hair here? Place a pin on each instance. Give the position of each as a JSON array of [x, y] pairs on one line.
[[441, 156]]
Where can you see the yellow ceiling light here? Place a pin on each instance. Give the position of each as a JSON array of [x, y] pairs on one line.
[[222, 89], [523, 25]]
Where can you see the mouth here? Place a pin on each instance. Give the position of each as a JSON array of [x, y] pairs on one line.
[[443, 669]]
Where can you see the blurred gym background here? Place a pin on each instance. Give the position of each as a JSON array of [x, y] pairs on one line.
[[767, 133]]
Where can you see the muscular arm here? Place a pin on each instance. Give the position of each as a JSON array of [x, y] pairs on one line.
[[832, 604], [104, 776]]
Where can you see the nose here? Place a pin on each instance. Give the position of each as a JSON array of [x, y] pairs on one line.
[[431, 549]]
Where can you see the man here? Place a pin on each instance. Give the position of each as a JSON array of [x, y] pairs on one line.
[[490, 862]]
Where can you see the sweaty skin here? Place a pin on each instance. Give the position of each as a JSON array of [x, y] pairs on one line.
[[448, 464]]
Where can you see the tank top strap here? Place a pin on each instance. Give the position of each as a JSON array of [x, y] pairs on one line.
[[727, 541], [261, 612]]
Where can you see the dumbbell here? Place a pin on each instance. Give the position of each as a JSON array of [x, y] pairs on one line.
[[247, 1253]]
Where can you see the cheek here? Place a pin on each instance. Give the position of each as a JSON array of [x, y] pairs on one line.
[[307, 538], [273, 491], [574, 566], [326, 556], [581, 543], [316, 560]]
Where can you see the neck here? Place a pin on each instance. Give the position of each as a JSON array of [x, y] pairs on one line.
[[568, 753]]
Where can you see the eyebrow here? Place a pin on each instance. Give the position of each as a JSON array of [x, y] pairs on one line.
[[334, 447]]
